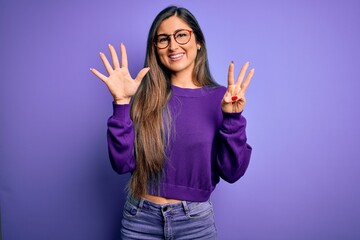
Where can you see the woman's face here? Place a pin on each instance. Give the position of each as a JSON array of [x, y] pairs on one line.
[[176, 57]]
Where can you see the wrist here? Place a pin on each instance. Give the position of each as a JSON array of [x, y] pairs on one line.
[[122, 101]]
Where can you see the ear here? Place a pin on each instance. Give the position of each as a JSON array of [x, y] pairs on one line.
[[198, 46]]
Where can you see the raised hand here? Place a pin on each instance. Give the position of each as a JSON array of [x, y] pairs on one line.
[[119, 82], [234, 98]]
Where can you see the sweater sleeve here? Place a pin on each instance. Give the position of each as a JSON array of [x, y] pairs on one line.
[[233, 151], [120, 136]]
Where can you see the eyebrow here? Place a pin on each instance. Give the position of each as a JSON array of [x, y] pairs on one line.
[[167, 34]]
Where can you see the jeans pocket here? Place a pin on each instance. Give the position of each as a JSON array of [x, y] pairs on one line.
[[200, 210], [130, 210]]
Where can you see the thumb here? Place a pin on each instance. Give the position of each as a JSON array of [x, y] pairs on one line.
[[142, 74]]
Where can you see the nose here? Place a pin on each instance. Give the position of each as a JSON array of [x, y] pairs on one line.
[[173, 45]]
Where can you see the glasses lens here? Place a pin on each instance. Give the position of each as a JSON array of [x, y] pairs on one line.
[[162, 41], [182, 36]]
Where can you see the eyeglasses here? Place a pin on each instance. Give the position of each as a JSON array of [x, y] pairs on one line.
[[181, 36]]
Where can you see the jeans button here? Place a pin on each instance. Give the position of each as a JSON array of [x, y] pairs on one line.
[[133, 211]]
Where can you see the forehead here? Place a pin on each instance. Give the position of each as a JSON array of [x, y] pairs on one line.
[[171, 24]]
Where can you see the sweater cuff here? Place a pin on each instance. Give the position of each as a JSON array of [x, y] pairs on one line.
[[232, 122], [121, 111]]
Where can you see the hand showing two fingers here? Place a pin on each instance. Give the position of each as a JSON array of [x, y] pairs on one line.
[[119, 82], [234, 98]]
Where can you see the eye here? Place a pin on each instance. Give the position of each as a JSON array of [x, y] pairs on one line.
[[182, 34], [162, 39]]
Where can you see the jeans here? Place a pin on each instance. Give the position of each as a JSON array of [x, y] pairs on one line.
[[143, 219]]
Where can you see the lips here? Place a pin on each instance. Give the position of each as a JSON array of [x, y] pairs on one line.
[[176, 57]]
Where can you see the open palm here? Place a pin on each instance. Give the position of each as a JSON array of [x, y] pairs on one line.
[[119, 82]]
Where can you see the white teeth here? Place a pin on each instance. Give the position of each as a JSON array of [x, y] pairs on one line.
[[176, 56]]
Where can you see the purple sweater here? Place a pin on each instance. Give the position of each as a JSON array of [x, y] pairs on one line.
[[207, 144]]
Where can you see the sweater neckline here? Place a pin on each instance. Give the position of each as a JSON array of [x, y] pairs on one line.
[[189, 92]]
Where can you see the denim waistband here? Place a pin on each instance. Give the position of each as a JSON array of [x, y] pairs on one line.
[[143, 203]]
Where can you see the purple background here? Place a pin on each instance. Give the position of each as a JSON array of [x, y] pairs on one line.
[[303, 115]]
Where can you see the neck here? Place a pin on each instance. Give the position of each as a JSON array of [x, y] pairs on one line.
[[183, 80]]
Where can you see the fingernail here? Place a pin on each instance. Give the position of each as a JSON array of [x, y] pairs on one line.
[[234, 98], [91, 69], [101, 53]]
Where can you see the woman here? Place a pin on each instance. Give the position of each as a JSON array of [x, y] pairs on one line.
[[175, 130]]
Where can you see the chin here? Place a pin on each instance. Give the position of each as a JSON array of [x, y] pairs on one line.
[[178, 67]]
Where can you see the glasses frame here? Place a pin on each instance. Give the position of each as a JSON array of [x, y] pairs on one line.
[[169, 35]]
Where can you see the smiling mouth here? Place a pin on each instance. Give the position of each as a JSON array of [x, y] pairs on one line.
[[176, 57]]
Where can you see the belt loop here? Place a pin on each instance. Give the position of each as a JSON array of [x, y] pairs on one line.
[[186, 208], [141, 203]]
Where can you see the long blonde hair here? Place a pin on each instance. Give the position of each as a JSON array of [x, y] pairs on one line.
[[149, 112]]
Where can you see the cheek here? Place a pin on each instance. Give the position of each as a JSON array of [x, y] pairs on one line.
[[162, 56], [193, 50], [193, 53]]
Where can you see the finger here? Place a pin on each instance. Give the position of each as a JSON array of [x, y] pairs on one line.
[[246, 83], [142, 74], [227, 97], [114, 57], [242, 73], [124, 60], [239, 105], [231, 74], [98, 74], [106, 63]]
